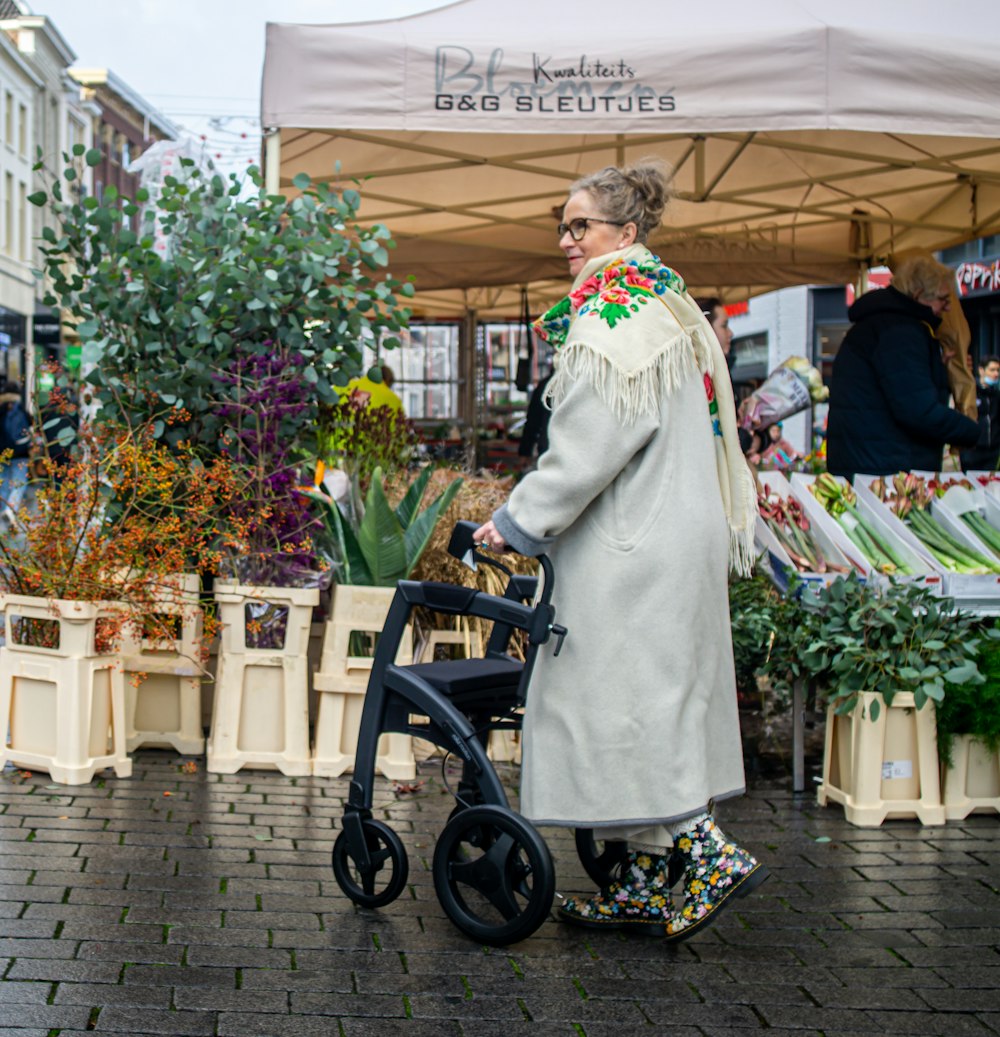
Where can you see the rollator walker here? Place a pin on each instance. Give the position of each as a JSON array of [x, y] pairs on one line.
[[492, 871]]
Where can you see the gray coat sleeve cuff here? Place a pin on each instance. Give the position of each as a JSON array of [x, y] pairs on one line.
[[517, 538]]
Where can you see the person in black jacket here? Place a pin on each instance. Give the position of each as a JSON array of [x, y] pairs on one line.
[[984, 455], [889, 391]]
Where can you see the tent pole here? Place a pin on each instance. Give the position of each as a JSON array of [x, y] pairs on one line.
[[272, 160], [472, 380], [861, 286]]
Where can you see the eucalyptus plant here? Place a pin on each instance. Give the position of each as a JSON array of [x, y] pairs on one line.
[[854, 637], [165, 294]]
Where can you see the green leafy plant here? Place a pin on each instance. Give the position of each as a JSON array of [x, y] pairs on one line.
[[383, 545], [974, 709], [854, 637], [358, 438], [755, 608], [165, 295]]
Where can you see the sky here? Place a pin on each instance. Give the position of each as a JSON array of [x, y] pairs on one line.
[[199, 62]]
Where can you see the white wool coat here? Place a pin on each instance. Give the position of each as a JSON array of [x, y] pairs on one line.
[[636, 721]]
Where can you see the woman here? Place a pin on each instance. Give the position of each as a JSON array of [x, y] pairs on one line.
[[889, 392], [715, 313], [642, 500]]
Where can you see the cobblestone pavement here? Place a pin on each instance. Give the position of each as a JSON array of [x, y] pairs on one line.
[[188, 903]]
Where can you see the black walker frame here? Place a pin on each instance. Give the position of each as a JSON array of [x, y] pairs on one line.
[[492, 871]]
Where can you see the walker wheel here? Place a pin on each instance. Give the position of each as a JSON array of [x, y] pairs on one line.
[[362, 882], [600, 862], [493, 875]]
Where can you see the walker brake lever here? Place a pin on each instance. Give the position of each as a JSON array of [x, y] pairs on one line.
[[560, 632]]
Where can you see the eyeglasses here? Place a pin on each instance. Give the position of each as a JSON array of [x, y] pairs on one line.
[[578, 227]]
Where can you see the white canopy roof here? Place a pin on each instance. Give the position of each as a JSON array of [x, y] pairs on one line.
[[808, 138]]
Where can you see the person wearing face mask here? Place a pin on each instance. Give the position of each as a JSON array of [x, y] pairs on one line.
[[985, 454], [644, 502], [889, 392]]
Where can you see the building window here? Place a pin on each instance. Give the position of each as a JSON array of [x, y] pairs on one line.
[[22, 130], [8, 213], [504, 344], [426, 370], [8, 119], [22, 217]]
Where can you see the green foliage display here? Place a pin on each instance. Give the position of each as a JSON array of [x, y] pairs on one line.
[[855, 637], [385, 545], [358, 438], [240, 272], [755, 610], [974, 709]]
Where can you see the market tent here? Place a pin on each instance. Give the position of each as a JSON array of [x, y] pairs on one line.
[[809, 139]]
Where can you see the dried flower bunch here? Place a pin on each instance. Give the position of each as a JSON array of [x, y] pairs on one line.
[[113, 515]]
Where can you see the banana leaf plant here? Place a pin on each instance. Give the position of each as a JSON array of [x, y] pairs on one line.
[[386, 543]]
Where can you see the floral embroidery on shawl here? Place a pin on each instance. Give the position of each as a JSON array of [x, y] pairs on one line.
[[713, 405], [612, 294]]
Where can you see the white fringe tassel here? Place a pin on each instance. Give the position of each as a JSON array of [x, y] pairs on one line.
[[628, 394]]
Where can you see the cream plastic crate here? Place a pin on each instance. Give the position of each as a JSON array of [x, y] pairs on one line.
[[342, 681], [260, 715], [63, 709], [885, 768], [163, 680], [972, 783]]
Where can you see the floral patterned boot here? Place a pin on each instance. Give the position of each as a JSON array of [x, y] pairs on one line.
[[715, 871], [639, 900]]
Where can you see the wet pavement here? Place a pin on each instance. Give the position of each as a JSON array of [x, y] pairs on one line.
[[184, 903]]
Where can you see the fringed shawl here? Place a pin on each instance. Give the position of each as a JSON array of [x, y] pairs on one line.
[[629, 328]]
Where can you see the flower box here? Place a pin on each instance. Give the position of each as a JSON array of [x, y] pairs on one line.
[[979, 594], [260, 714], [925, 572], [62, 695], [355, 613], [883, 768], [781, 565], [163, 678]]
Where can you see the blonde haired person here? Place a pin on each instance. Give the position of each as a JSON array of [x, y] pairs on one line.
[[889, 392], [644, 502]]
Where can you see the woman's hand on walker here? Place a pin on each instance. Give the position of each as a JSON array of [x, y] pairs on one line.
[[488, 537]]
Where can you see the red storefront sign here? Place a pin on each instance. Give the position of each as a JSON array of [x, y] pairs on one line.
[[876, 279], [978, 277]]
